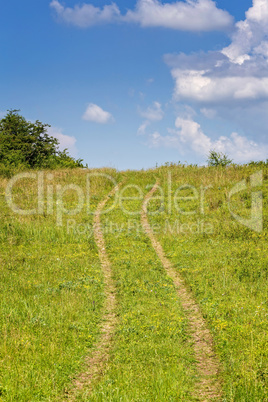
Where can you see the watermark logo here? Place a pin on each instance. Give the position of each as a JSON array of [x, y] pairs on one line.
[[255, 222], [50, 197], [185, 201]]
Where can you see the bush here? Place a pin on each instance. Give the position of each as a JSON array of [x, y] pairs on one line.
[[27, 145], [218, 159], [258, 163]]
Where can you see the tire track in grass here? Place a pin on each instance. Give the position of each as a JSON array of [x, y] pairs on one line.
[[95, 364], [208, 366]]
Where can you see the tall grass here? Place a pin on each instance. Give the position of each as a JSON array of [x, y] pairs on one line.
[[52, 289], [51, 295], [227, 271]]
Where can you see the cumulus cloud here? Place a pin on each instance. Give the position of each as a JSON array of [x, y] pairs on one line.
[[188, 135], [249, 33], [234, 74], [65, 141], [206, 86], [189, 15], [96, 114], [86, 15], [200, 15]]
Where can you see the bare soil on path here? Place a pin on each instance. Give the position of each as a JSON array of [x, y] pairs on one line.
[[208, 386], [96, 363]]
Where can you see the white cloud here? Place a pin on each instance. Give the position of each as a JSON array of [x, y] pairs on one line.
[[86, 15], [236, 73], [249, 33], [153, 113], [65, 141], [262, 49], [189, 135], [189, 15], [190, 132], [204, 86], [232, 84], [258, 12], [200, 15], [240, 148], [96, 114]]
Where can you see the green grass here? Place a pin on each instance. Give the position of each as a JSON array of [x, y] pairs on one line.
[[152, 357], [52, 289], [227, 272], [51, 298]]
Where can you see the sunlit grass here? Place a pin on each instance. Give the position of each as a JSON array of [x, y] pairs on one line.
[[227, 271], [52, 289], [51, 296], [152, 356]]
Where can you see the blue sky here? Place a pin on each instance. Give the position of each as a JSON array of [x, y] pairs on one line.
[[132, 85]]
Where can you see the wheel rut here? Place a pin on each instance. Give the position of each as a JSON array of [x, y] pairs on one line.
[[96, 362], [209, 387]]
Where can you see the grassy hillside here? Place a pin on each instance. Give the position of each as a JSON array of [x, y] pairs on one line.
[[52, 294], [226, 268], [53, 291]]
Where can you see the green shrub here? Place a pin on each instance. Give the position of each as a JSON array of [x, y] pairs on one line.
[[218, 159], [27, 145]]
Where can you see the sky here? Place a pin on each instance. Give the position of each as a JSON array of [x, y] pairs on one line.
[[136, 84]]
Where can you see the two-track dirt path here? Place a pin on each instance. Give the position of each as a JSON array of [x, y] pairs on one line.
[[95, 364], [209, 387]]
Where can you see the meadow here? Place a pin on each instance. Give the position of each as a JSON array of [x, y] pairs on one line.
[[53, 288]]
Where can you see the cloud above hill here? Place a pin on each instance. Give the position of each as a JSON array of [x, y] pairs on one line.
[[189, 15], [65, 141], [96, 114], [200, 15], [188, 135], [250, 35], [236, 73], [229, 87], [85, 15]]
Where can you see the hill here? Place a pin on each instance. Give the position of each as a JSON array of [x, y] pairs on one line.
[[94, 302]]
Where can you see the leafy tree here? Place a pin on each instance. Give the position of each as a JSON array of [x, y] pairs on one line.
[[27, 144], [218, 159]]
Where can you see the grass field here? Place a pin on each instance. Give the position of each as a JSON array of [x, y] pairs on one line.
[[53, 289]]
